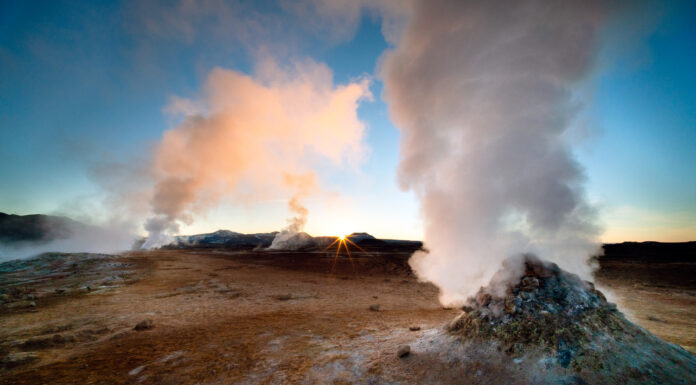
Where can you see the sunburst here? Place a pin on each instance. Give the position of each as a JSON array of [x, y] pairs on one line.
[[342, 241]]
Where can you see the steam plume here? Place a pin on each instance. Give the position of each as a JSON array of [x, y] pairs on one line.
[[287, 238], [483, 93], [249, 138]]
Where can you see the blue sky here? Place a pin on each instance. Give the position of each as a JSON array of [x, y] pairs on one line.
[[85, 83]]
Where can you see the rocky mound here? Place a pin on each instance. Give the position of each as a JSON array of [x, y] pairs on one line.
[[286, 240], [568, 323]]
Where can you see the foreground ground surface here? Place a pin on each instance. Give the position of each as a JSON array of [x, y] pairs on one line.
[[243, 317]]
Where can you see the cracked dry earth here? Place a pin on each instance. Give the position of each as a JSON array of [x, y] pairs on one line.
[[222, 317]]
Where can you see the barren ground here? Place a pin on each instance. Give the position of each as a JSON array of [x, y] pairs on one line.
[[245, 317]]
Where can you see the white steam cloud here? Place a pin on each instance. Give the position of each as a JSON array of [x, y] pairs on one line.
[[249, 139], [289, 237], [483, 93]]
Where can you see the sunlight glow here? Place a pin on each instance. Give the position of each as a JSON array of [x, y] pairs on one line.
[[342, 241]]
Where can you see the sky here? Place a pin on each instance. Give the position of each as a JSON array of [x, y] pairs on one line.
[[87, 85]]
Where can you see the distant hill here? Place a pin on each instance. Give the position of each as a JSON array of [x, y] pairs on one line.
[[650, 252], [237, 241], [223, 239], [35, 228]]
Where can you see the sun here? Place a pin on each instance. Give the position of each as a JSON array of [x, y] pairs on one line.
[[342, 241]]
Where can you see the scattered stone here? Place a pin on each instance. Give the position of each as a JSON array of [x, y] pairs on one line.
[[283, 297], [374, 297], [530, 283], [118, 335], [32, 304], [414, 328], [533, 268], [137, 370], [60, 291], [564, 357], [655, 319], [510, 304], [146, 324], [374, 307], [16, 359], [37, 343], [403, 351], [467, 309], [483, 299], [59, 339]]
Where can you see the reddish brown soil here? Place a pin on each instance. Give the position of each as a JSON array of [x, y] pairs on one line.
[[220, 316], [246, 317]]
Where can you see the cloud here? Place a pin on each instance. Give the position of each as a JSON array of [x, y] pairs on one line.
[[258, 137]]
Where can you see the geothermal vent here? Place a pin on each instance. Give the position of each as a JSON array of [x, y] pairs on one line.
[[563, 322]]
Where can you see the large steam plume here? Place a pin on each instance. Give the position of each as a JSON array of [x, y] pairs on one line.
[[252, 138], [483, 93]]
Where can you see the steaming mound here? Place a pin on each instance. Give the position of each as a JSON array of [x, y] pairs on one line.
[[285, 240], [570, 325]]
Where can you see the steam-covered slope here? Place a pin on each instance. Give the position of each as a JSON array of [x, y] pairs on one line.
[[17, 229]]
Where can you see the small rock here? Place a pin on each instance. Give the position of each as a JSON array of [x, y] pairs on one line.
[[414, 328], [457, 322], [403, 351], [60, 291], [283, 297], [530, 283], [144, 325], [374, 307], [59, 339], [136, 370], [467, 309], [510, 304], [536, 268], [32, 304], [564, 357], [15, 359], [600, 295], [375, 297], [483, 299]]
